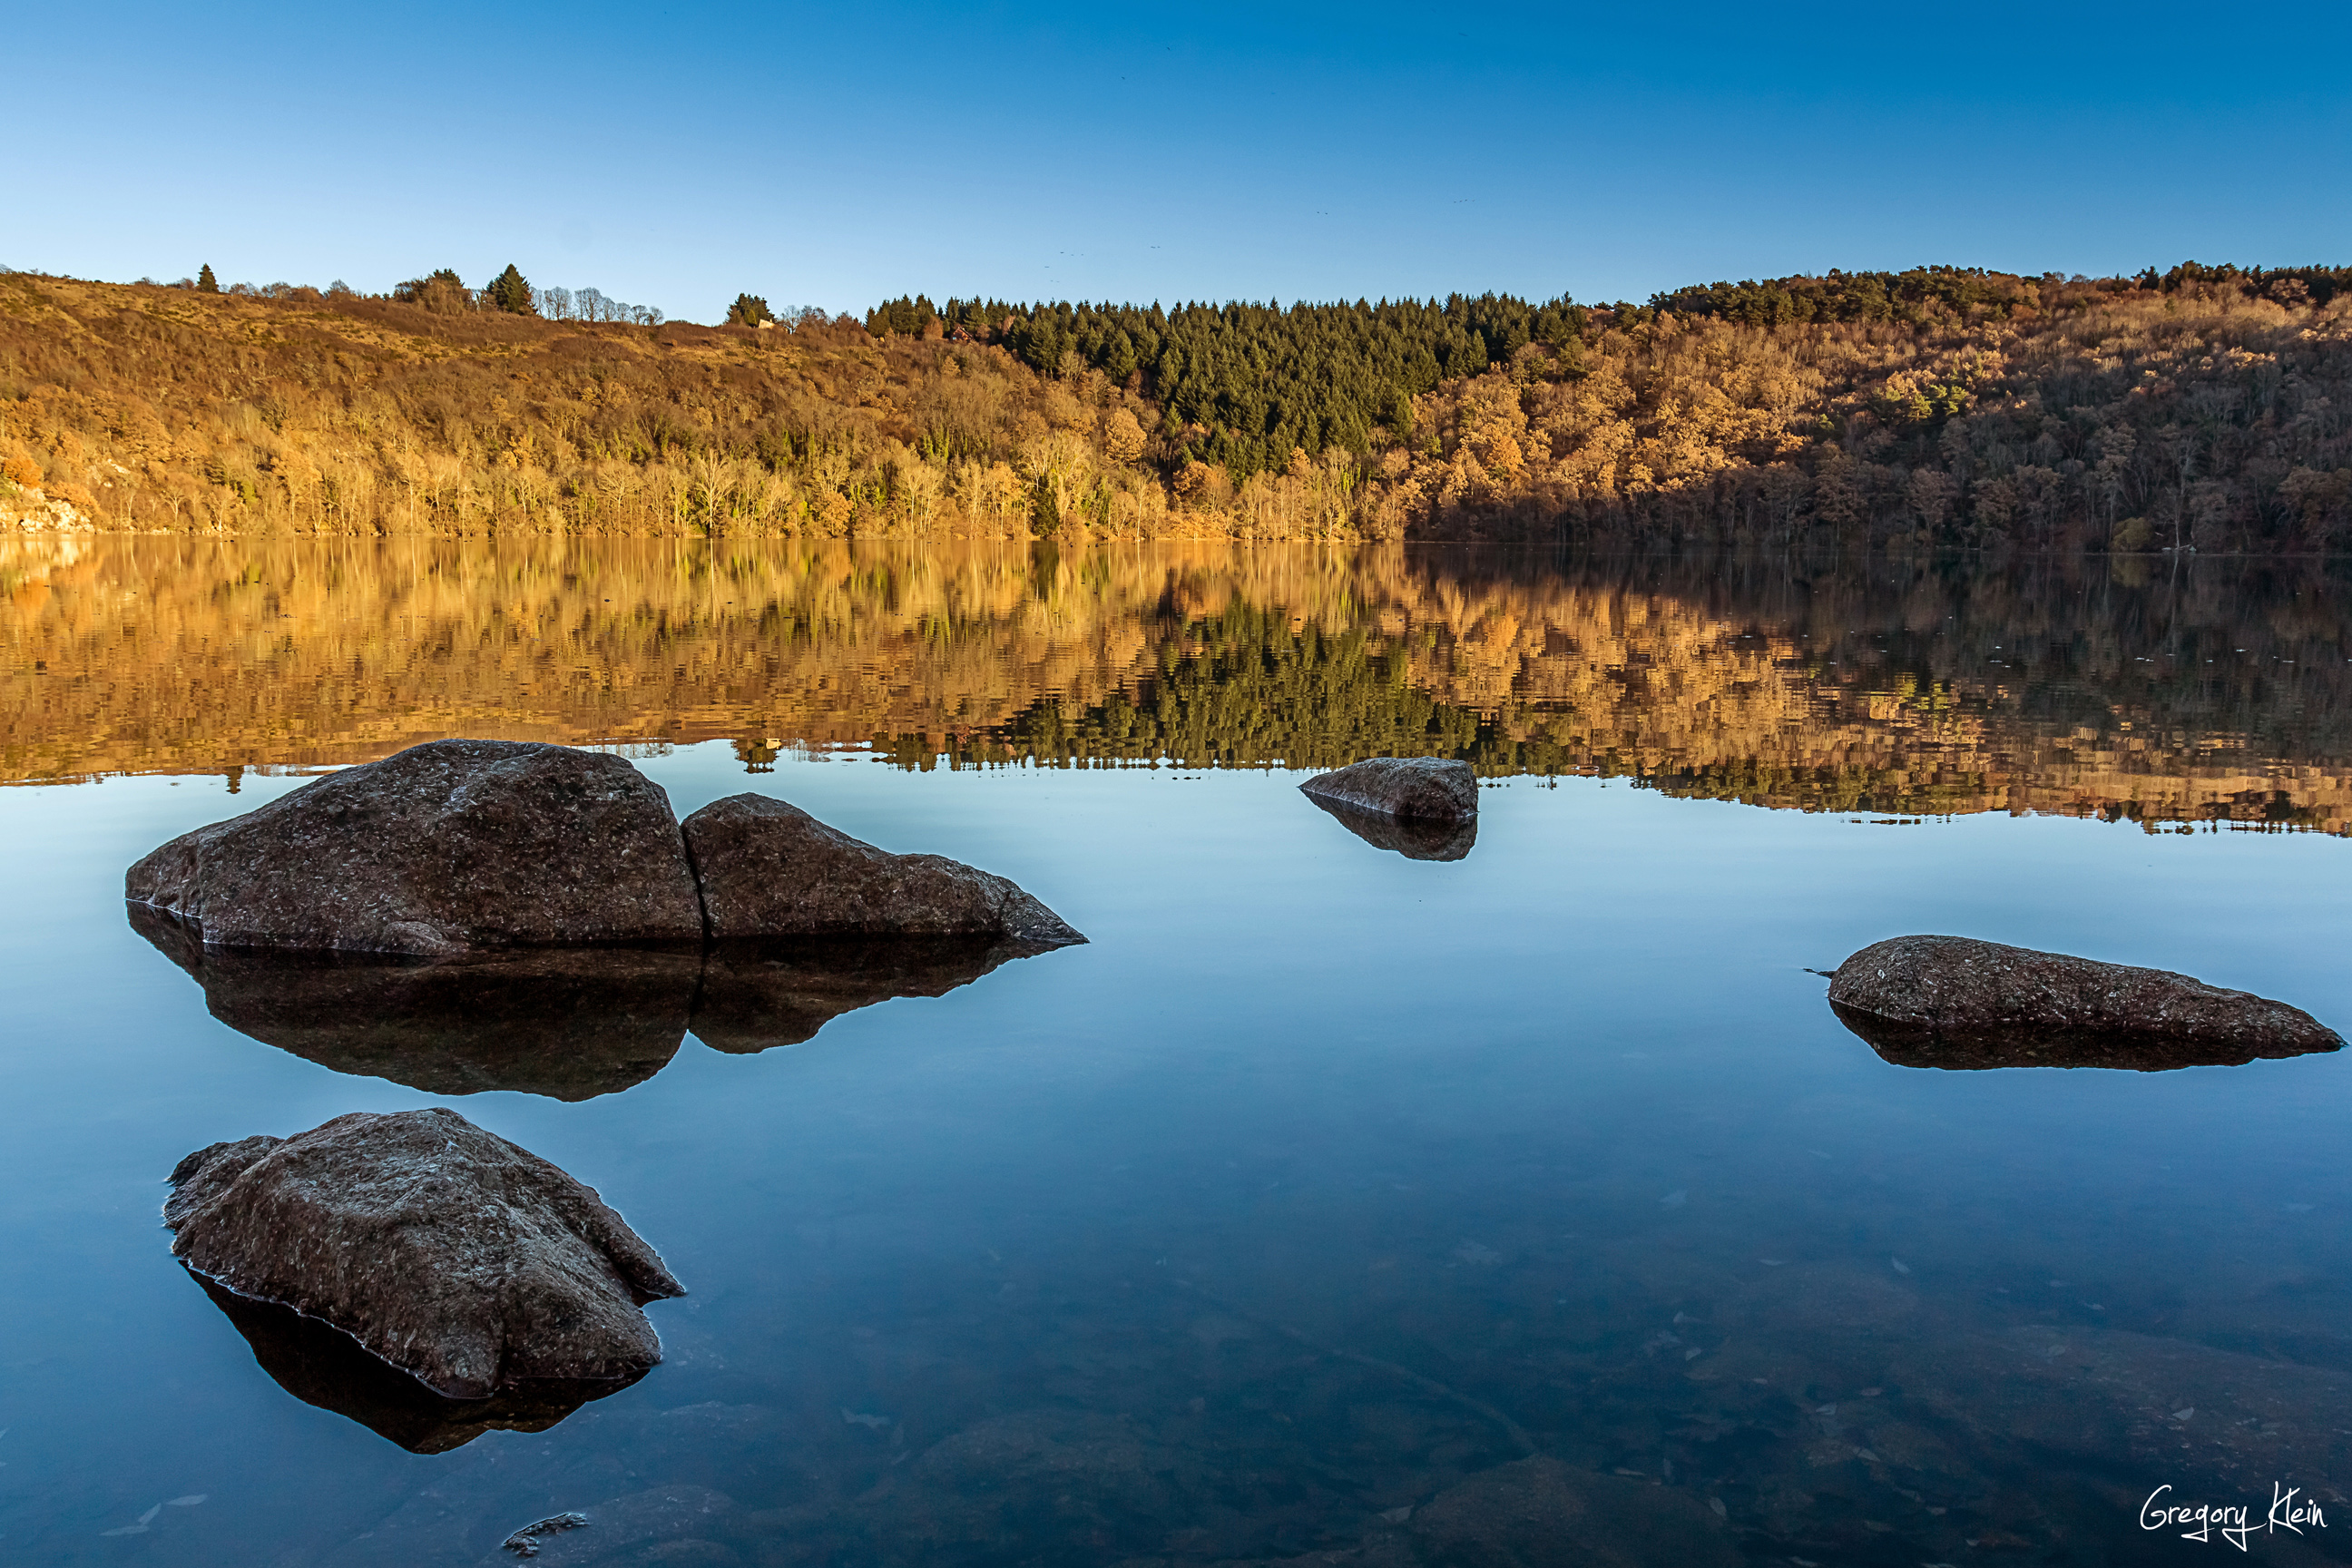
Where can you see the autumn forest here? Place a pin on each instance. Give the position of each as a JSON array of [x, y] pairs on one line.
[[2202, 409]]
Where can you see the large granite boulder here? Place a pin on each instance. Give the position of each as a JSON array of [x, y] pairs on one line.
[[570, 1023], [1953, 1001], [450, 847], [760, 994], [471, 1264], [769, 868], [1418, 789]]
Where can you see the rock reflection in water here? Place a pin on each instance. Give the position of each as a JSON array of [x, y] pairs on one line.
[[323, 1367], [568, 1023], [1913, 1045], [757, 994], [1413, 839]]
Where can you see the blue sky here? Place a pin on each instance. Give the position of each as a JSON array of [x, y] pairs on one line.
[[672, 155]]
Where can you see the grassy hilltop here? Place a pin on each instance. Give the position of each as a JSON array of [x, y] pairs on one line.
[[2205, 406]]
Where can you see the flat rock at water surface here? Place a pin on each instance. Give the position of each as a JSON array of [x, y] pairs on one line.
[[467, 1262], [445, 847], [1954, 1002], [1415, 838], [568, 1023], [1418, 789], [769, 868]]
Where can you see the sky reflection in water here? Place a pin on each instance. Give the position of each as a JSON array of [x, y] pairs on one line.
[[1325, 1182]]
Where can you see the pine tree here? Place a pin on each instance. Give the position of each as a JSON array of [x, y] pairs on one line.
[[510, 291], [206, 282], [748, 310]]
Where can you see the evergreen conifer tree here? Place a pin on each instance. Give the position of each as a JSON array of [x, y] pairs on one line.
[[206, 282], [748, 310], [510, 291]]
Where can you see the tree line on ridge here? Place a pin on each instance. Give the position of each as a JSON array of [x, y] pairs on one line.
[[2198, 408]]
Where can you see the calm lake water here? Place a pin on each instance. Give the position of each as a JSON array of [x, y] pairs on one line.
[[1329, 1205]]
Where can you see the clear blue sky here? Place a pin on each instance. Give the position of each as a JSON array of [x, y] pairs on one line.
[[672, 155]]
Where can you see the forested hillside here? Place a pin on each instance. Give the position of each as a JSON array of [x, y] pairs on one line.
[[2202, 407]]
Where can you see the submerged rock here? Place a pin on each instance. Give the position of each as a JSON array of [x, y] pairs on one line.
[[450, 847], [769, 868], [678, 1526], [1953, 1001], [1415, 838], [1418, 789], [325, 1367], [759, 995], [568, 1023], [471, 1264]]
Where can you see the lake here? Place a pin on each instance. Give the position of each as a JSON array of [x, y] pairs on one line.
[[1332, 1204]]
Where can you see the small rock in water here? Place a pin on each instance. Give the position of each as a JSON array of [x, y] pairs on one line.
[[469, 1263], [1720, 1512], [862, 1418], [1954, 1002], [1397, 1515], [2184, 1414], [1424, 789], [525, 1543]]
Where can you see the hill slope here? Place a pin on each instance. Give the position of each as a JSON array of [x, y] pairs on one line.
[[2205, 407]]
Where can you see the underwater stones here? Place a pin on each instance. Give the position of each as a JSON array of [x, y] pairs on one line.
[[1417, 789], [1954, 1002], [450, 847], [469, 1263], [769, 868], [672, 1525]]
